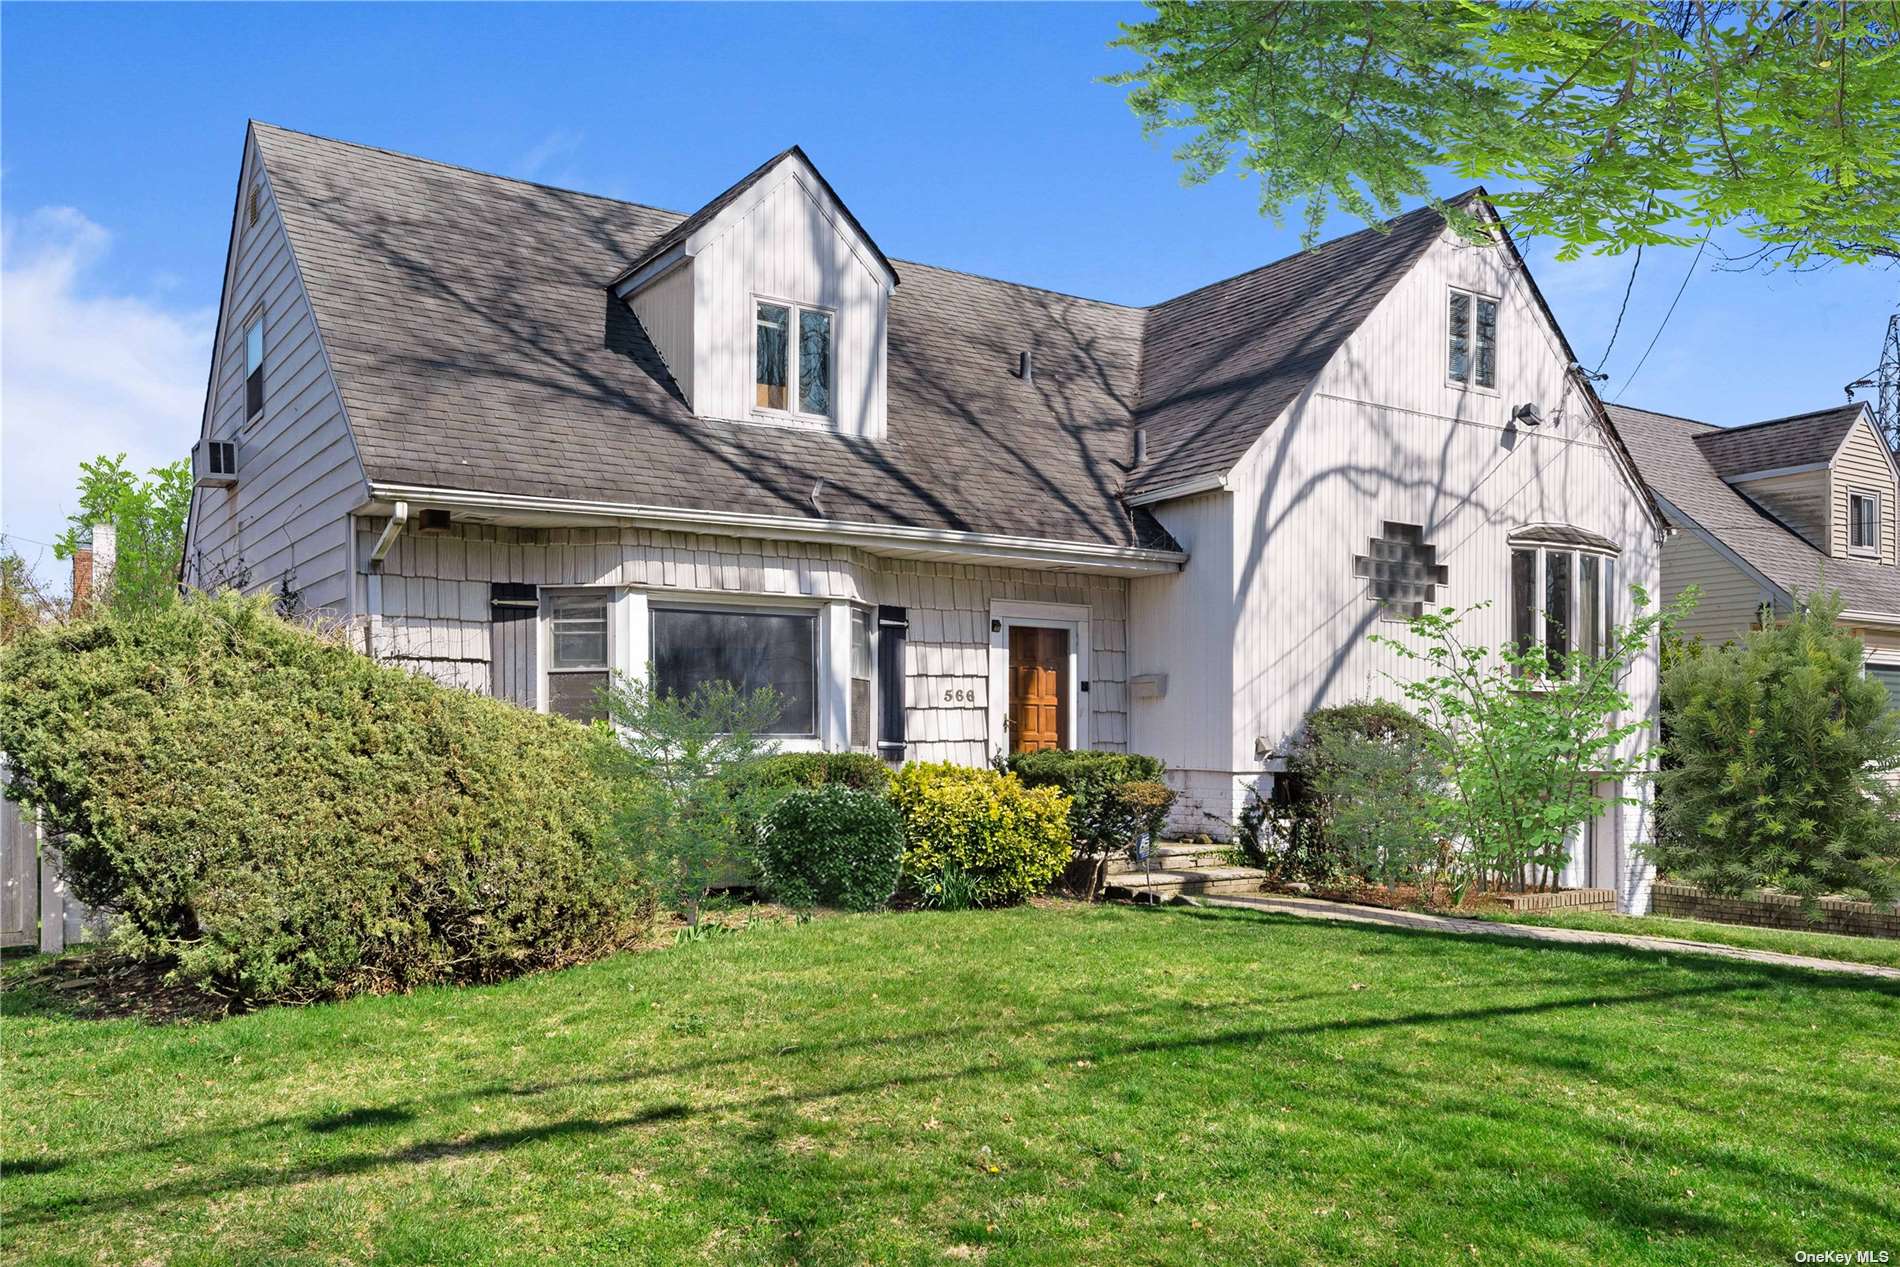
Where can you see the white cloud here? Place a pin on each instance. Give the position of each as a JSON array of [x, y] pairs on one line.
[[547, 160], [83, 371]]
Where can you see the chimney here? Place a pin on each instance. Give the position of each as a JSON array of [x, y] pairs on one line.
[[82, 579], [105, 558]]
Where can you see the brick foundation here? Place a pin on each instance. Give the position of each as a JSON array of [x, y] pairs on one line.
[[1776, 910]]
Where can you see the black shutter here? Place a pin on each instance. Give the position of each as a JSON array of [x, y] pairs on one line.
[[515, 610], [893, 627]]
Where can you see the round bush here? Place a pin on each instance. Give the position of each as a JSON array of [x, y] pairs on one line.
[[833, 844], [285, 819], [1007, 840]]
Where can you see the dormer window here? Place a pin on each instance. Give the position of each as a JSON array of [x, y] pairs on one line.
[[787, 373], [1863, 522], [1471, 353]]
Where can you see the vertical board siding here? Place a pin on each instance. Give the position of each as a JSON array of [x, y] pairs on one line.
[[285, 524], [665, 309], [786, 247], [1862, 467], [1800, 501], [436, 614]]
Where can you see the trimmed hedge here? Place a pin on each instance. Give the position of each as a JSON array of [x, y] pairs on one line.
[[1115, 798], [984, 826], [836, 845], [282, 818], [819, 769]]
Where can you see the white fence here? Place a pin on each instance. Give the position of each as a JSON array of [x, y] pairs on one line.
[[35, 907]]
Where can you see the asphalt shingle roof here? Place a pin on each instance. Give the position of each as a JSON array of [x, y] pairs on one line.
[[476, 346], [1672, 455], [1796, 440]]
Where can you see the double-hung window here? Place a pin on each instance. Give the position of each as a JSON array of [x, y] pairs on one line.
[[1563, 598], [1471, 350], [577, 653], [863, 668], [254, 368], [793, 362], [1863, 522], [748, 648]]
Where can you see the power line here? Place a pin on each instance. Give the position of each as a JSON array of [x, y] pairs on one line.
[[1615, 329], [1644, 360]]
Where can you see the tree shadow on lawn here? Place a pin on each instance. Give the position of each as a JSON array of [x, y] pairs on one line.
[[254, 1177]]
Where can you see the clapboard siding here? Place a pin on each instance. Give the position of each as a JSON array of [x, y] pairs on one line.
[[286, 523], [1800, 501], [1730, 599], [789, 246], [1862, 466], [436, 615]]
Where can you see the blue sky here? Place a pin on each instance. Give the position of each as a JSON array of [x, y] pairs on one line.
[[972, 136]]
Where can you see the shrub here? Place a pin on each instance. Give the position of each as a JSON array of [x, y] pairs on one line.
[[1355, 801], [686, 808], [819, 769], [837, 845], [284, 819], [1008, 841], [1780, 752], [1115, 799]]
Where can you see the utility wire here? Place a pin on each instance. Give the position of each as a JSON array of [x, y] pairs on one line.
[[1644, 359], [1615, 329]]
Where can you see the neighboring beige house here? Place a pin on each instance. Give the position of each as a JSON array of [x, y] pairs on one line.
[[520, 437], [1770, 512]]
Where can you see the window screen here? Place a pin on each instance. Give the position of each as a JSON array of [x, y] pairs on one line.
[[577, 654], [749, 650], [1458, 354], [1863, 516], [814, 362], [863, 666], [1887, 675], [254, 368], [774, 334], [1487, 366]]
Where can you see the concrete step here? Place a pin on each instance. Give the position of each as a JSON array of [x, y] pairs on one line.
[[1173, 882], [1183, 855]]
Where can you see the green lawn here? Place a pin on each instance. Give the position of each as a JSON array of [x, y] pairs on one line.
[[1054, 1085], [1876, 950]]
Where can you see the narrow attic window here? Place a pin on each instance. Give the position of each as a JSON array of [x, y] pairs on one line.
[[781, 378], [1863, 521], [254, 368], [1471, 355]]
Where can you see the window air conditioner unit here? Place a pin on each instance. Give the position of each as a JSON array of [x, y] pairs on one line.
[[214, 463]]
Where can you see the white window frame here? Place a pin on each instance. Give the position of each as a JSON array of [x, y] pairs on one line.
[[792, 413], [827, 666], [1471, 383], [617, 641], [1873, 548], [1074, 617], [1606, 592]]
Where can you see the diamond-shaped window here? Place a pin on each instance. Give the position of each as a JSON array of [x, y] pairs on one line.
[[1401, 572]]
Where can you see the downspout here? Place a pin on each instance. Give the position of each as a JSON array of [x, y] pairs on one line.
[[374, 584]]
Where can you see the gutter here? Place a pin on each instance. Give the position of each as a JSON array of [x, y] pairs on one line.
[[373, 583], [1214, 483], [998, 547]]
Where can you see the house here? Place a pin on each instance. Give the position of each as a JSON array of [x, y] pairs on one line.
[[1772, 511], [519, 438]]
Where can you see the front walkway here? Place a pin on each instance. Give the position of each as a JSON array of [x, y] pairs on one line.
[[1317, 908]]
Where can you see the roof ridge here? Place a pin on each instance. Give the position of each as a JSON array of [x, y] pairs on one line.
[[1041, 290], [1812, 413], [462, 167], [1385, 228], [1657, 413]]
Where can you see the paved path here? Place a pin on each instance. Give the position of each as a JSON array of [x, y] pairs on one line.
[[1317, 908]]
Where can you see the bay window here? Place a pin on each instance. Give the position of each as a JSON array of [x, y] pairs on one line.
[[747, 648], [788, 377], [1563, 596]]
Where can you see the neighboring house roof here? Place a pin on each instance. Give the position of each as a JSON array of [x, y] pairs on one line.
[[1221, 363], [1798, 440], [1673, 455]]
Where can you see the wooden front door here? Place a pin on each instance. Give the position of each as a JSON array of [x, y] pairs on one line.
[[1038, 688]]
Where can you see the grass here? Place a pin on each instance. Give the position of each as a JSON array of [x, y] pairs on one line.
[[1053, 1085], [1884, 951]]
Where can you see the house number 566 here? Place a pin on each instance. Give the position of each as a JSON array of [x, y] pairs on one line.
[[959, 695]]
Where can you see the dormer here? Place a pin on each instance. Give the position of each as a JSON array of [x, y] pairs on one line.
[[1827, 475], [770, 305]]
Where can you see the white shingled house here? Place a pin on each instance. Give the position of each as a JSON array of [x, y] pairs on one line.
[[520, 437]]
